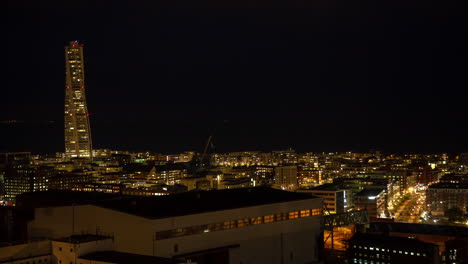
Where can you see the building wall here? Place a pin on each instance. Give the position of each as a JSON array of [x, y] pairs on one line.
[[87, 261], [440, 199], [286, 177], [434, 239], [65, 253], [45, 259], [58, 222], [22, 253], [334, 200], [375, 205], [294, 241], [363, 253], [24, 179]]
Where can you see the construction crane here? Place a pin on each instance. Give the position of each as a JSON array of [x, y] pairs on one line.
[[205, 151], [200, 164]]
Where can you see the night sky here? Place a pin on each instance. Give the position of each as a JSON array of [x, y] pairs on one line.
[[320, 75]]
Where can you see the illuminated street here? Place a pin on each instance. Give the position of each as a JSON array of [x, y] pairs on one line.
[[341, 235], [411, 209]]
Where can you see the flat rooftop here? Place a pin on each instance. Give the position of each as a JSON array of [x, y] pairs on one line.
[[77, 239], [378, 240], [325, 187], [126, 258], [448, 185], [185, 203], [409, 228], [370, 192], [196, 202]]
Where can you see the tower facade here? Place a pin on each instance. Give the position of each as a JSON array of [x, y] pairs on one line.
[[77, 129]]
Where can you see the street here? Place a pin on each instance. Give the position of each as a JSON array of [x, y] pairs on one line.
[[411, 209]]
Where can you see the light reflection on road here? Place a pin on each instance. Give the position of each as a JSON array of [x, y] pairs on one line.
[[410, 210]]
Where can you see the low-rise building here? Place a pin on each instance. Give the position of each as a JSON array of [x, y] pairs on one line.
[[371, 248], [76, 249], [334, 198], [247, 225]]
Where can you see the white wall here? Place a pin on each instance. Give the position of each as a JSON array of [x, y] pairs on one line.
[[23, 251], [133, 234], [69, 252], [43, 260]]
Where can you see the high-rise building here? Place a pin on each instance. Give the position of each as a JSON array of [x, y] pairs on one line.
[[286, 177], [77, 128]]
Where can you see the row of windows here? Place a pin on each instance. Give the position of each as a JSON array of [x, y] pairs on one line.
[[388, 250], [372, 256], [364, 261], [199, 229]]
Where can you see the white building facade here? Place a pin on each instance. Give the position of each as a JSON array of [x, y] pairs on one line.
[[279, 232]]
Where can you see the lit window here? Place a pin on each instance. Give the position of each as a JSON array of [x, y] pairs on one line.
[[268, 218], [305, 213], [229, 224], [242, 222], [281, 216], [317, 211], [293, 215], [256, 220]]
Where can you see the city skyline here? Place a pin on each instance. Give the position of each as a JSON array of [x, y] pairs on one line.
[[260, 79], [227, 132]]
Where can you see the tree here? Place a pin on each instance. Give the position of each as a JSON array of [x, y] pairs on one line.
[[454, 214]]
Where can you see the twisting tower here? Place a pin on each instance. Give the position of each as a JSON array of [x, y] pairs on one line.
[[77, 129]]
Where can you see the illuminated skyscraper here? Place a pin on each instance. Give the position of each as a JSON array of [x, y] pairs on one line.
[[77, 129]]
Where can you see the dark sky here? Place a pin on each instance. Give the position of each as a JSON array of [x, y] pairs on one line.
[[320, 75]]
